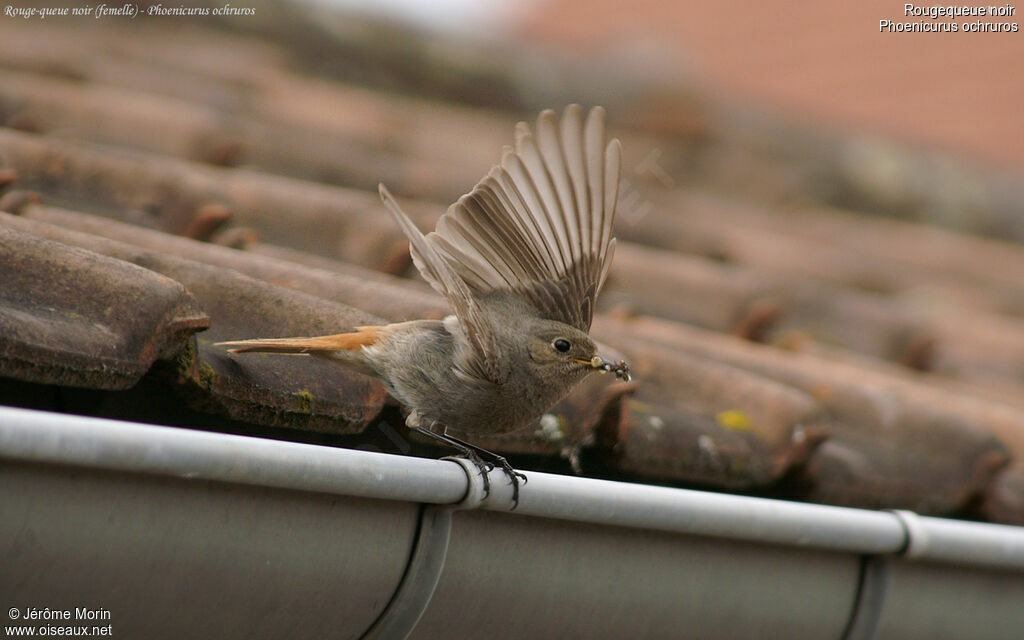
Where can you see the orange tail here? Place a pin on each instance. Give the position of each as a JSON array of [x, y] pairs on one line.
[[364, 336]]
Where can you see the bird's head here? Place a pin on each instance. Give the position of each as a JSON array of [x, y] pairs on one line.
[[560, 351]]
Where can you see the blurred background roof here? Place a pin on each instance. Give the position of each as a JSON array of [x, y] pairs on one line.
[[829, 62], [826, 61]]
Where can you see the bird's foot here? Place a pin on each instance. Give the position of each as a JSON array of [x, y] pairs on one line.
[[515, 478], [485, 461], [484, 467]]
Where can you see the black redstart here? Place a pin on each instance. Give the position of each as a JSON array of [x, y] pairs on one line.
[[521, 259]]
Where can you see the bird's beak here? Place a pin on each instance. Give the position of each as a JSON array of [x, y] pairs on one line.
[[620, 369]]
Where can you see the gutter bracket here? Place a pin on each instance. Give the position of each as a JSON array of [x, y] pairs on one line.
[[476, 491], [875, 575], [915, 534], [422, 574], [414, 592]]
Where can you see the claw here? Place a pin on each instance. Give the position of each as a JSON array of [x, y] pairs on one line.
[[514, 478], [476, 455], [484, 467]]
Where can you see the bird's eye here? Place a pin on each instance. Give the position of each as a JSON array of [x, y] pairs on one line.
[[561, 345]]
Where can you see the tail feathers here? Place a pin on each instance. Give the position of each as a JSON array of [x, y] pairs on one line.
[[363, 337]]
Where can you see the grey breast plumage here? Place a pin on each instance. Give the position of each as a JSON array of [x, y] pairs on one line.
[[539, 224]]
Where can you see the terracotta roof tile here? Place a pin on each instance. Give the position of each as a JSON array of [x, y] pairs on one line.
[[926, 448], [295, 392], [697, 420], [378, 293], [72, 317]]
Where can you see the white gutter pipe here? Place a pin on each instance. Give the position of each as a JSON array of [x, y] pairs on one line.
[[41, 440]]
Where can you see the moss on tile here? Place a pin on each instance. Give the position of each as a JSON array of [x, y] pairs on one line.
[[207, 376], [734, 420], [305, 401], [186, 358]]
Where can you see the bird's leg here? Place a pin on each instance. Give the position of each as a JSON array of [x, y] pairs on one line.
[[483, 459], [465, 451], [497, 461]]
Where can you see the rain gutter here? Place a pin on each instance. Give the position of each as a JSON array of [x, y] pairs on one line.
[[420, 552]]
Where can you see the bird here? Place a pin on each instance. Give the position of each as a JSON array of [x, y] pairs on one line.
[[521, 259]]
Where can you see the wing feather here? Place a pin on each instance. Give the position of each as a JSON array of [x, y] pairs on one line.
[[482, 361], [538, 224], [572, 141], [519, 210], [611, 189], [533, 197], [593, 152], [553, 156]]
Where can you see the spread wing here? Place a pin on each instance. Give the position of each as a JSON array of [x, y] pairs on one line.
[[539, 224], [481, 359]]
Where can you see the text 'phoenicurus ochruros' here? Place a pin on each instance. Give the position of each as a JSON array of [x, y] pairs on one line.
[[521, 259]]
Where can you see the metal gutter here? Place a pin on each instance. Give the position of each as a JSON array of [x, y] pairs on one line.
[[59, 438], [809, 570]]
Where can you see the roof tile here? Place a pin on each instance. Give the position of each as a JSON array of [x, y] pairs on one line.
[[75, 318], [297, 392], [929, 451], [379, 293]]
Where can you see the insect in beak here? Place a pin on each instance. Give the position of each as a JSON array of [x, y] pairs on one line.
[[620, 369]]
